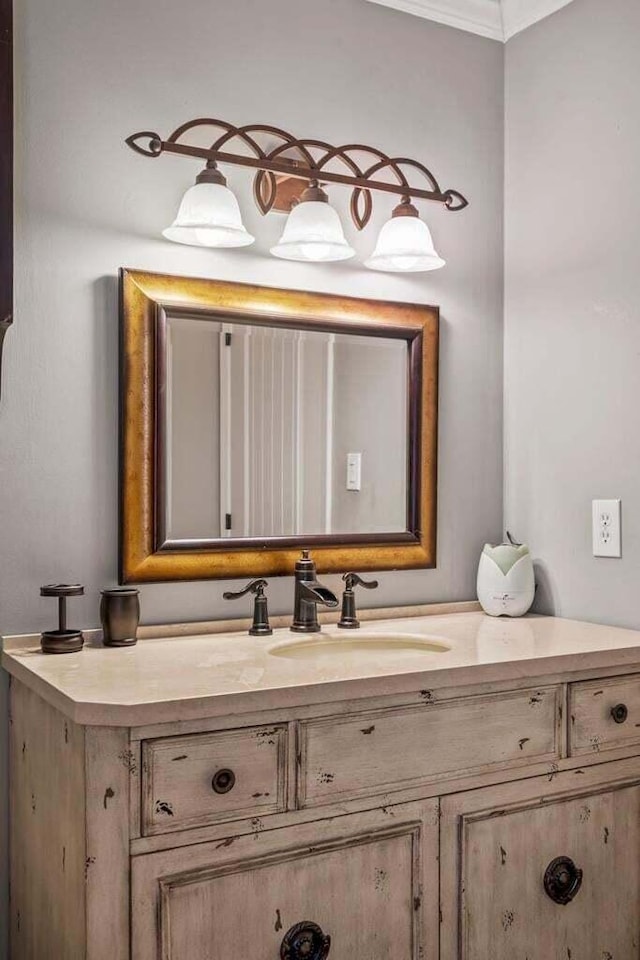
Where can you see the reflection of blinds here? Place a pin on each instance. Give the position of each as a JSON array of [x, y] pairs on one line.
[[273, 466], [276, 431]]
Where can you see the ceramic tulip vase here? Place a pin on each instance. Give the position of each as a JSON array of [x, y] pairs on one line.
[[506, 583]]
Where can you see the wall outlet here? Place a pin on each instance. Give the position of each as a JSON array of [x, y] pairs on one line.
[[606, 528]]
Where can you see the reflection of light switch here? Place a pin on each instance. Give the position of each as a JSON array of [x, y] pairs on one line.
[[354, 463]]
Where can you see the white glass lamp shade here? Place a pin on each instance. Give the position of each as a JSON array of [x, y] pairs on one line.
[[404, 245], [313, 232], [209, 216]]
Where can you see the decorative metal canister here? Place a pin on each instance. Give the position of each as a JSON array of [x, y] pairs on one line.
[[120, 615]]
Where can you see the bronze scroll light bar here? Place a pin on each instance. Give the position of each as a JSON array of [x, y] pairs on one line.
[[307, 160]]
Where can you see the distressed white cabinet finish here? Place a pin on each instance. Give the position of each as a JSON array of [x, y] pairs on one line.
[[605, 714], [408, 824], [213, 777], [69, 795], [372, 753], [368, 880], [583, 827]]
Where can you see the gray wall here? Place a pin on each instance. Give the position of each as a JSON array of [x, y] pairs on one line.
[[193, 425], [572, 323], [89, 74], [370, 418]]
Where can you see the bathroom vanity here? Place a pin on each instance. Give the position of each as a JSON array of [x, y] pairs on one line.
[[443, 786]]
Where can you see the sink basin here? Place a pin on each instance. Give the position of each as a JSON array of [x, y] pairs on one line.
[[360, 646]]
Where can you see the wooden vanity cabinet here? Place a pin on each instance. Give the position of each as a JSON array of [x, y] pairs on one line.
[[410, 827]]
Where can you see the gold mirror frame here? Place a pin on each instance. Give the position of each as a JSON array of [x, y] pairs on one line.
[[144, 300]]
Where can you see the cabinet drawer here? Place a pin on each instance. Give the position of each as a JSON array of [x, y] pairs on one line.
[[388, 750], [211, 777], [605, 714]]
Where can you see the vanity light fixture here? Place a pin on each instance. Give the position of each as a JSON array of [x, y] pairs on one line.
[[405, 243], [313, 231], [209, 214]]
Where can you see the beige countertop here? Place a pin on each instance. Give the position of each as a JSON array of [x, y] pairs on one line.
[[209, 675]]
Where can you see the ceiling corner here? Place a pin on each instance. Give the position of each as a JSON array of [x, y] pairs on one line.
[[496, 19], [517, 15], [483, 17]]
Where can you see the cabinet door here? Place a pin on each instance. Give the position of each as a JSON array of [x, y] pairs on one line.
[[545, 869], [369, 881]]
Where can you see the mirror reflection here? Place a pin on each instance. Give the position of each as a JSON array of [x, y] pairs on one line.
[[272, 431]]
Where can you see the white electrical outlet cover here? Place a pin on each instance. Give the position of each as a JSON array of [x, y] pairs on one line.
[[606, 528]]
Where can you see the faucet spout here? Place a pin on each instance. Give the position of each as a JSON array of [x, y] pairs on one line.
[[316, 593], [308, 594]]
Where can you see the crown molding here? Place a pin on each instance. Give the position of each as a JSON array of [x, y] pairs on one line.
[[496, 19], [483, 17], [517, 15]]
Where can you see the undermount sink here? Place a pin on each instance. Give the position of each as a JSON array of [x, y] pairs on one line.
[[358, 645]]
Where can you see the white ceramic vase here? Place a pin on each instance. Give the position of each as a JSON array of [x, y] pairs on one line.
[[506, 584]]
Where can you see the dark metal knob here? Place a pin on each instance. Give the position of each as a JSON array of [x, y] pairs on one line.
[[223, 781], [620, 712], [562, 880], [305, 941]]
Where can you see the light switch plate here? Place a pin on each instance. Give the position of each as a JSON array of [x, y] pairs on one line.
[[354, 471], [606, 528]]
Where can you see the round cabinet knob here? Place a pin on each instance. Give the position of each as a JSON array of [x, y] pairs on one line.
[[305, 941], [562, 880], [223, 781], [620, 712]]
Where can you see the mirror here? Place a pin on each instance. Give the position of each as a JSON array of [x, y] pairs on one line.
[[257, 421], [276, 432]]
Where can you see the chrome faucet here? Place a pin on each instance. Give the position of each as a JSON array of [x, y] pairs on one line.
[[308, 594]]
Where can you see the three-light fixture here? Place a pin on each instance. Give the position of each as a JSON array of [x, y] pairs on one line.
[[291, 177]]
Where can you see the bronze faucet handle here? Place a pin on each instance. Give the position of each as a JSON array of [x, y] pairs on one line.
[[355, 580], [254, 586], [348, 620], [260, 626]]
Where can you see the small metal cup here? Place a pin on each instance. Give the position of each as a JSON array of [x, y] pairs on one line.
[[120, 615]]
